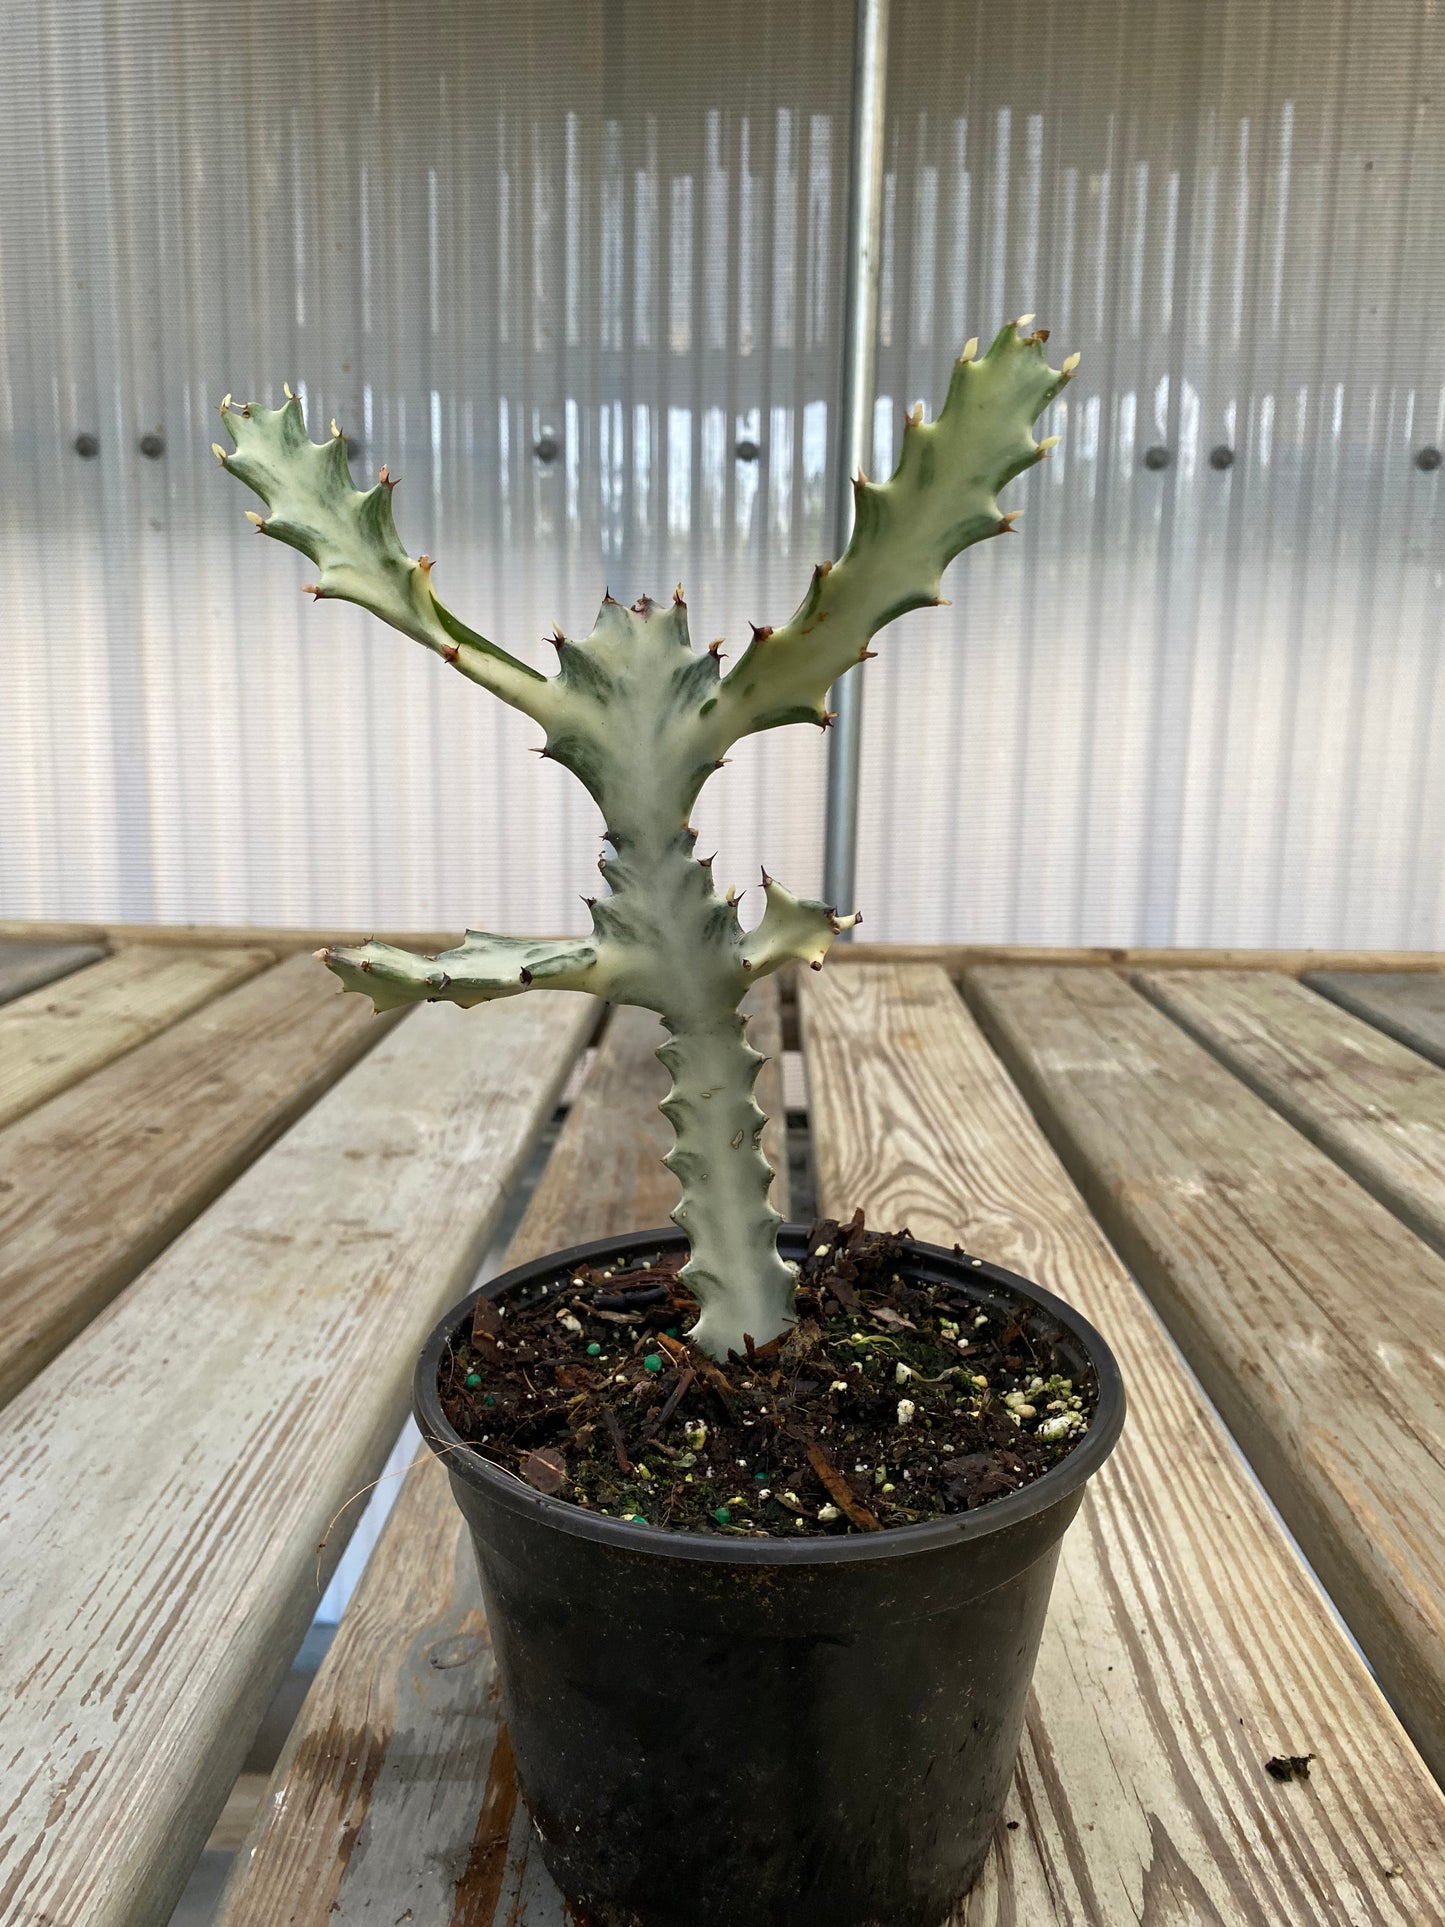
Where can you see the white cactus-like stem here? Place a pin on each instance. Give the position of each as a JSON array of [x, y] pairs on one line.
[[642, 720]]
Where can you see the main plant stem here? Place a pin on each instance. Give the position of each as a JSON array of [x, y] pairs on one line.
[[744, 1288]]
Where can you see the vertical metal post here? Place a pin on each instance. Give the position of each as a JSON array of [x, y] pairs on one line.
[[865, 246]]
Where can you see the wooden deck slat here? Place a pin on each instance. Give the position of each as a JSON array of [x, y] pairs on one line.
[[1186, 1643], [1377, 1107], [26, 966], [1410, 1005], [390, 1795], [94, 1183], [168, 1482], [49, 1042], [1315, 1319]]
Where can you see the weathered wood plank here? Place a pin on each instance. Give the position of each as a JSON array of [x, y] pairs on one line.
[[26, 966], [1375, 1106], [1410, 1005], [1315, 1319], [52, 1041], [1186, 1643], [168, 1482], [392, 1793], [97, 1181]]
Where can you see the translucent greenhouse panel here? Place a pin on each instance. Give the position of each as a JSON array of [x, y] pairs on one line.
[[1202, 701], [574, 274], [556, 266]]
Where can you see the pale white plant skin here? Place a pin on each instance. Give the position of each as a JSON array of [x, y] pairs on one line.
[[643, 720]]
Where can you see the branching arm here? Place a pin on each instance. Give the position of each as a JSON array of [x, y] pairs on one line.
[[480, 969], [350, 536], [942, 497]]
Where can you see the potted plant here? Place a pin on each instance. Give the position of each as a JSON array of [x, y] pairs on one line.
[[766, 1516]]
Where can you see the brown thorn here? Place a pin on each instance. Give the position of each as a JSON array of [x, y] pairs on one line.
[[767, 880], [425, 564], [679, 601], [830, 716], [384, 475], [867, 655], [526, 976], [714, 649], [643, 606], [451, 651], [311, 589], [760, 633]]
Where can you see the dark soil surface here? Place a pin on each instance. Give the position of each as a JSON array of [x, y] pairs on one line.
[[889, 1401]]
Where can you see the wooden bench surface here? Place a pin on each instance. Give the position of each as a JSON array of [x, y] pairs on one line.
[[392, 1792], [1185, 1644], [1409, 1005], [1315, 1319], [94, 1183], [1377, 1107], [169, 1478], [26, 966], [158, 1552], [53, 1037]]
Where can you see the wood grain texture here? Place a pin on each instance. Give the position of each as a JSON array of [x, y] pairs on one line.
[[1375, 1106], [1409, 1006], [97, 1181], [1186, 1643], [393, 1792], [167, 1483], [27, 964], [51, 1040], [1315, 1319]]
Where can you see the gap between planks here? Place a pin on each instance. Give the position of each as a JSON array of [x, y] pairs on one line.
[[1185, 1643], [153, 1591], [392, 1792]]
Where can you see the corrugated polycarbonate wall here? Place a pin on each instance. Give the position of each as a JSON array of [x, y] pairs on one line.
[[573, 271], [1209, 705]]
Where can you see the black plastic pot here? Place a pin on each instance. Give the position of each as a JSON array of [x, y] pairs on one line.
[[717, 1732]]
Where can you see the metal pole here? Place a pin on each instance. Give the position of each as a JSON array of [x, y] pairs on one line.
[[865, 247]]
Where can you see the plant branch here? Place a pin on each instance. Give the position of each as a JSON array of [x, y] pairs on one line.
[[349, 534], [478, 971], [942, 498]]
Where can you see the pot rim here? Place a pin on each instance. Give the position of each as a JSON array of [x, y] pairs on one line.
[[1059, 1483]]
